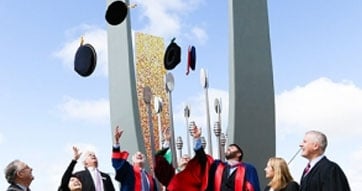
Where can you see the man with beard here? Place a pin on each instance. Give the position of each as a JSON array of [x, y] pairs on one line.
[[132, 177], [233, 175]]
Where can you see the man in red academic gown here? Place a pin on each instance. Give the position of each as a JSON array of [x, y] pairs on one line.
[[191, 178]]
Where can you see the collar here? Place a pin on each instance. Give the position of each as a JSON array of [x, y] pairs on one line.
[[314, 161], [22, 187], [233, 163], [91, 168]]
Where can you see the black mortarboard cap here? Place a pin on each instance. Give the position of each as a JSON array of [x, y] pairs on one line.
[[116, 12], [191, 59], [85, 60], [172, 55]]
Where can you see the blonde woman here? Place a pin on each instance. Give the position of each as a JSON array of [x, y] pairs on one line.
[[277, 172]]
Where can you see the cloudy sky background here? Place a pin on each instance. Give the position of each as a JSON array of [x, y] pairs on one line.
[[45, 107]]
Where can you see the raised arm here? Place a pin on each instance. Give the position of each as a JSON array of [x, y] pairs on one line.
[[119, 159], [117, 135], [164, 171], [69, 171]]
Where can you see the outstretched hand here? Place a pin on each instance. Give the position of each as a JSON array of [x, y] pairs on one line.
[[117, 134], [76, 153], [166, 134]]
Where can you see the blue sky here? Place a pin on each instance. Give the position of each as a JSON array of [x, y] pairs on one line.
[[45, 107]]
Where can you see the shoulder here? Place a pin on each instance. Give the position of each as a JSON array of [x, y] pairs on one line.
[[215, 165], [217, 162], [292, 186], [13, 187], [104, 174], [328, 165], [82, 172], [248, 166], [267, 188]]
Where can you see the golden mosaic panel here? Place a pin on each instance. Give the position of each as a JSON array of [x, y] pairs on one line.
[[150, 72]]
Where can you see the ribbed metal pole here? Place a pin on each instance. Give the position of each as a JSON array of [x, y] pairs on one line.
[[169, 88], [179, 144], [222, 146], [147, 95], [187, 115], [217, 125], [158, 109], [205, 85], [208, 121], [217, 131]]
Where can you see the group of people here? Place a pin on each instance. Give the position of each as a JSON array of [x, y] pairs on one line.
[[201, 173], [320, 174]]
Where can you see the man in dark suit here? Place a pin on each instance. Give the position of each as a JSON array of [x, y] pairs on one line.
[[321, 174], [19, 176], [93, 179]]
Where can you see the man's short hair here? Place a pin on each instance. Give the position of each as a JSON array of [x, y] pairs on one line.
[[11, 170]]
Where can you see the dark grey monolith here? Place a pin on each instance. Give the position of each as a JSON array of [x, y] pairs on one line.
[[251, 91]]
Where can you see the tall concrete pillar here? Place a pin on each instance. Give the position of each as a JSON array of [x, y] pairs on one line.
[[251, 91], [122, 86]]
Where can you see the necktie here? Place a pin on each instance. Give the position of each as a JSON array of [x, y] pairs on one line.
[[98, 180], [227, 169], [306, 170], [145, 186]]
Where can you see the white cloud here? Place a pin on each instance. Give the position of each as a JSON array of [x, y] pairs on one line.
[[355, 170], [323, 105], [96, 111], [167, 18], [200, 34], [92, 35]]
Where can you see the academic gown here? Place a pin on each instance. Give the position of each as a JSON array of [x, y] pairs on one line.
[[164, 171], [244, 178], [324, 176], [193, 178], [291, 186], [128, 175]]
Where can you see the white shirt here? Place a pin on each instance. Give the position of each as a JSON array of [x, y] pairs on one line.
[[314, 162], [95, 175]]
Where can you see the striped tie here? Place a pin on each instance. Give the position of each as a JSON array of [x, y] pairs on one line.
[[306, 170]]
